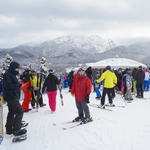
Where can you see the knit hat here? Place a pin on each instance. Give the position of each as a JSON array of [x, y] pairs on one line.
[[51, 71], [108, 67]]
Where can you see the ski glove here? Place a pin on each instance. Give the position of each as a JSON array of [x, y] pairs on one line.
[[87, 98]]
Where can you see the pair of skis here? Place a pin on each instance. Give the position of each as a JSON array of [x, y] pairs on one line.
[[70, 122], [97, 106], [39, 82]]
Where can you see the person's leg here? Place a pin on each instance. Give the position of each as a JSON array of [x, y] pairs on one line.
[[27, 99], [103, 96], [17, 109], [85, 108], [10, 119], [138, 89], [80, 110], [53, 100], [109, 92], [141, 87]]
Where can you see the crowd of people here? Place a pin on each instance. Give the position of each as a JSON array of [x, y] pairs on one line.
[[81, 82]]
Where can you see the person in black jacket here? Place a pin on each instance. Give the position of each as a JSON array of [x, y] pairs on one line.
[[71, 79], [11, 94], [51, 83], [139, 77], [89, 72]]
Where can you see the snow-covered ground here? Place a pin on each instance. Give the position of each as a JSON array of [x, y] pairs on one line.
[[121, 129]]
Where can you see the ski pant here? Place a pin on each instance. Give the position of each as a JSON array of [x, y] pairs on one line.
[[134, 86], [118, 86], [52, 100], [140, 90], [70, 86], [27, 99], [113, 92], [14, 117], [83, 109], [145, 85], [108, 92], [125, 90], [98, 94], [128, 93]]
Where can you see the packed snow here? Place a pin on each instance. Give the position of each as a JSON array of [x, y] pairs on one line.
[[121, 129]]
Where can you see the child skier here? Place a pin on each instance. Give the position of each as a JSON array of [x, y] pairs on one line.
[[97, 87]]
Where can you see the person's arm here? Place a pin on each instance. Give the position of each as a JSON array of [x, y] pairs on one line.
[[8, 84]]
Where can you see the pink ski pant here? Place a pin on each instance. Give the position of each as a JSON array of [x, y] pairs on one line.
[[52, 100]]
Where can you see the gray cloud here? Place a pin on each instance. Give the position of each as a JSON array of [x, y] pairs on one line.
[[39, 20]]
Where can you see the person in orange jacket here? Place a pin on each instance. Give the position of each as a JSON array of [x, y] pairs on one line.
[[25, 80]]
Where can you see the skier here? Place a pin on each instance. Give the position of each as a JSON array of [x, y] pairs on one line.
[[50, 84], [97, 87], [139, 77], [11, 93], [71, 78], [25, 79], [145, 85], [128, 79], [81, 89], [110, 79], [119, 78], [35, 90]]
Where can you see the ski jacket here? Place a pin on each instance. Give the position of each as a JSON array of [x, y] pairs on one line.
[[146, 76], [89, 72], [139, 77], [81, 87], [50, 83], [33, 80], [109, 78], [129, 80], [25, 86], [11, 86]]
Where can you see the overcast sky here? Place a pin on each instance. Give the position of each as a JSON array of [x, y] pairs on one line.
[[23, 21]]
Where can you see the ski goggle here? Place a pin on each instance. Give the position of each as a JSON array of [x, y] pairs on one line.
[[81, 69]]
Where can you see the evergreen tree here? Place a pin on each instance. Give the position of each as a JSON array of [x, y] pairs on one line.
[[40, 65], [5, 64]]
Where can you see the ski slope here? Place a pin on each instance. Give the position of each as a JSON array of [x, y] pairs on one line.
[[121, 129]]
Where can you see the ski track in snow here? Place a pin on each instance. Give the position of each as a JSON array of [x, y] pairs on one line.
[[121, 129]]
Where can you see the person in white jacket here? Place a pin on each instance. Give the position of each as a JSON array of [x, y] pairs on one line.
[[146, 79]]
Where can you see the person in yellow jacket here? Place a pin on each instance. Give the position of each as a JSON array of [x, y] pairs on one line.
[[110, 79], [34, 89]]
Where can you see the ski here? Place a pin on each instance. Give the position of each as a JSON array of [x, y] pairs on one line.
[[71, 126], [97, 106], [61, 96], [54, 124], [115, 106], [39, 81], [37, 91], [79, 124], [19, 138]]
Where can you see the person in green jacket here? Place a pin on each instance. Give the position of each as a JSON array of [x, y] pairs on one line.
[[110, 80]]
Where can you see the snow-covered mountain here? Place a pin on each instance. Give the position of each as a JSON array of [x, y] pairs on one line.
[[72, 50], [88, 44]]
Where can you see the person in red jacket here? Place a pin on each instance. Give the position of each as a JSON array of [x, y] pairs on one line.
[[81, 89]]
